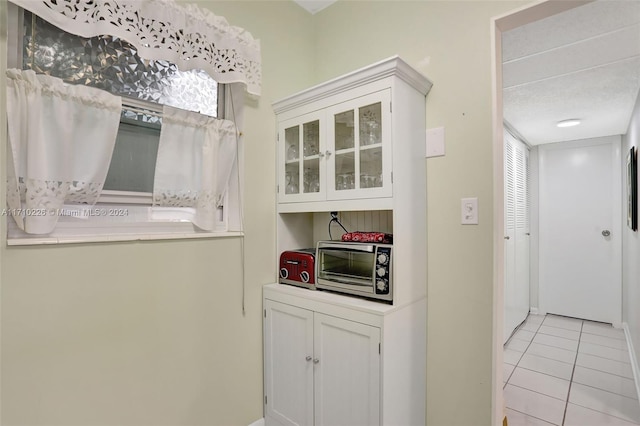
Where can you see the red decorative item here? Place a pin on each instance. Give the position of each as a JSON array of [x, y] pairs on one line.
[[368, 237]]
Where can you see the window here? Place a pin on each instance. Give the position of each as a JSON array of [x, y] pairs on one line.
[[112, 64]]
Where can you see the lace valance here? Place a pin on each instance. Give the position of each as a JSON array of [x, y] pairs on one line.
[[188, 36]]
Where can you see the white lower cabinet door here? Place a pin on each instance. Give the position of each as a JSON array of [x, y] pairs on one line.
[[346, 372], [288, 355]]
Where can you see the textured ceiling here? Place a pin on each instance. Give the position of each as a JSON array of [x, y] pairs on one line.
[[583, 63]]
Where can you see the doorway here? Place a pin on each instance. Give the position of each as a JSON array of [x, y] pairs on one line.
[[501, 25]]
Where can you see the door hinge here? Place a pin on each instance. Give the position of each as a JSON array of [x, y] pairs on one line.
[[265, 313], [277, 189], [390, 106], [391, 177], [265, 400], [379, 348], [278, 137]]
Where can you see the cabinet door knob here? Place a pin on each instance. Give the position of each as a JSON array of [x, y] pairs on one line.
[[308, 358], [328, 153], [321, 155], [316, 360]]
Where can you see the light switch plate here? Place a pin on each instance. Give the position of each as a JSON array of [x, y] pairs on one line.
[[469, 211], [435, 142]]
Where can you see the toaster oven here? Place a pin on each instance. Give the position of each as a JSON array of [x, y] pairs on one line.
[[362, 269]]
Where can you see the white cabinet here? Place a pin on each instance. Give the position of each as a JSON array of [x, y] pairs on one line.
[[337, 153], [320, 369], [354, 145], [356, 142], [334, 360]]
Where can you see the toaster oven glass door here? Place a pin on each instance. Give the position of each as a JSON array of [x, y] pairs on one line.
[[352, 267]]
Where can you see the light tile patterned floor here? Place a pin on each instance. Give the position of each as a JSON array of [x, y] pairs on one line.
[[569, 372]]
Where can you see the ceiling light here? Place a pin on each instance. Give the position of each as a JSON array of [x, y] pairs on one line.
[[568, 123]]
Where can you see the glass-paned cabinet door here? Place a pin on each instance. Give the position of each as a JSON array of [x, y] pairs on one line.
[[301, 159], [359, 148]]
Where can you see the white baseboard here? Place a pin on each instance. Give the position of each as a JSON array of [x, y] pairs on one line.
[[259, 422], [533, 311], [632, 357]]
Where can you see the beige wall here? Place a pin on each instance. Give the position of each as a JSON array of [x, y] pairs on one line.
[[153, 333], [449, 41], [631, 242]]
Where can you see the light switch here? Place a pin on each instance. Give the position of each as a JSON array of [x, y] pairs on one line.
[[469, 208], [435, 142]]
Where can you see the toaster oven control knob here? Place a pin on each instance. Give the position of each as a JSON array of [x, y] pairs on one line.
[[383, 258], [304, 275], [381, 285], [382, 272], [284, 273]]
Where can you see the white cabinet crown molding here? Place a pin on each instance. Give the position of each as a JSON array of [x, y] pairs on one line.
[[385, 68]]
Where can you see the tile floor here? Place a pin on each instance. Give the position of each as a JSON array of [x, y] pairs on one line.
[[568, 372]]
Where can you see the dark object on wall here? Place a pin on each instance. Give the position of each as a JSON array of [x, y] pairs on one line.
[[632, 189]]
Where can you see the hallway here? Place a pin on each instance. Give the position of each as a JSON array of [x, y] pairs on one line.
[[565, 371]]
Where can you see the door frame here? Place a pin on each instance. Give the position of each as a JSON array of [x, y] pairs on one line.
[[498, 25]]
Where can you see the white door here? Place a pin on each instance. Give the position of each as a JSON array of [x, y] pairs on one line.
[[517, 230], [288, 365], [347, 372], [580, 229]]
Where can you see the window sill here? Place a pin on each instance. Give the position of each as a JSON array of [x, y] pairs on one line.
[[138, 223], [81, 239]]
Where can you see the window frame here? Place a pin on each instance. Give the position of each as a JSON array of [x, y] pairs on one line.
[[98, 228]]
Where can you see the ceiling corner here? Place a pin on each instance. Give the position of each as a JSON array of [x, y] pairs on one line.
[[314, 6]]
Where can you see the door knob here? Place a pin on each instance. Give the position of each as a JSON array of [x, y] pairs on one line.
[[308, 358], [328, 153], [507, 237], [606, 233], [316, 360]]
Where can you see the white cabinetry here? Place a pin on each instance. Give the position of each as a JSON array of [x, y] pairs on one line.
[[356, 142], [336, 360], [355, 145], [338, 153], [320, 369]]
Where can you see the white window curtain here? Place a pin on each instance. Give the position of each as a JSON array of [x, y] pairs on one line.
[[189, 36], [61, 139], [196, 154]]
